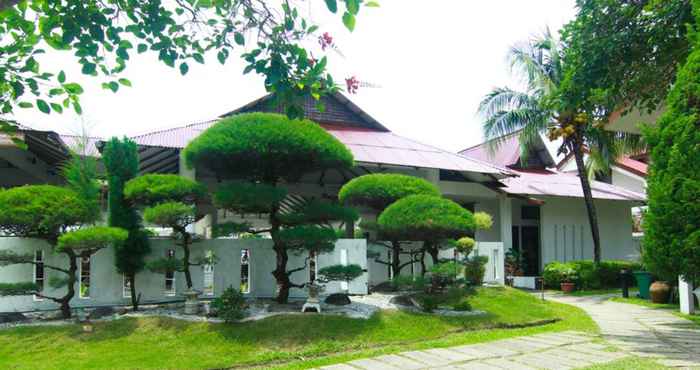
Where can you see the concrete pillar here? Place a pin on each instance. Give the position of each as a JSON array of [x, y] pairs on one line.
[[189, 173], [685, 290], [505, 215]]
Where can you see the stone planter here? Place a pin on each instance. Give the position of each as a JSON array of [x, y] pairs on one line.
[[191, 302], [660, 292], [567, 287]]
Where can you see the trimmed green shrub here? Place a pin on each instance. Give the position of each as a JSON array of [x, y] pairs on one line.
[[378, 191], [402, 282], [345, 273], [483, 220], [246, 197], [157, 188], [475, 269], [267, 147], [170, 214], [462, 305], [91, 238], [586, 275], [426, 218], [230, 306], [309, 238], [316, 212], [672, 223], [465, 245]]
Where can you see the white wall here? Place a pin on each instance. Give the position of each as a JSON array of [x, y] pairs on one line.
[[566, 235], [628, 180]]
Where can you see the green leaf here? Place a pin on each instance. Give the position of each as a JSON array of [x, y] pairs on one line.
[[61, 77], [73, 88], [89, 69], [77, 108], [353, 6], [349, 21], [372, 4], [238, 37], [141, 48], [25, 104], [125, 82], [332, 5], [113, 86], [43, 106], [19, 142], [198, 57], [221, 56], [57, 107], [184, 68]]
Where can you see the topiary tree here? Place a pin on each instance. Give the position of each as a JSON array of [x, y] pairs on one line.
[[169, 202], [345, 273], [672, 225], [48, 212], [377, 192], [427, 218], [260, 152], [121, 161]]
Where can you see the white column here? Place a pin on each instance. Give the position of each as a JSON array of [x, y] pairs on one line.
[[685, 290], [505, 215]]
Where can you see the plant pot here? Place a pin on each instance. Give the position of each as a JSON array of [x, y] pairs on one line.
[[567, 287], [191, 302], [660, 292], [643, 282]]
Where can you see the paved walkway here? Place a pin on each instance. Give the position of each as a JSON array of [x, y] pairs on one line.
[[643, 331], [634, 330]]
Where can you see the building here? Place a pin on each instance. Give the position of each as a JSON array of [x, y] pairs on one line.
[[534, 209]]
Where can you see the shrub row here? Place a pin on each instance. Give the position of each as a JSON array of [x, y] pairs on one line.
[[586, 275]]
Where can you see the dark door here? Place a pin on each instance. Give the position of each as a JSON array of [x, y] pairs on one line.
[[530, 247]]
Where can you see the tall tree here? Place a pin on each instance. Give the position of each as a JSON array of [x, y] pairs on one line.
[[672, 224], [104, 35], [539, 110], [169, 201], [122, 164], [261, 152], [377, 192]]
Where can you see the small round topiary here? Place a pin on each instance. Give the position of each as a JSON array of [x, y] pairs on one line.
[[91, 238], [157, 188], [170, 214], [426, 218], [377, 191], [40, 211], [483, 220], [266, 147]]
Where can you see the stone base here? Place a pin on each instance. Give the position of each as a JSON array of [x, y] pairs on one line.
[[308, 305]]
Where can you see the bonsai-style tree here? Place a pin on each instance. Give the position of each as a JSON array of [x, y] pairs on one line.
[[429, 219], [260, 152], [672, 224], [345, 273], [48, 212], [169, 202], [377, 192], [122, 164]]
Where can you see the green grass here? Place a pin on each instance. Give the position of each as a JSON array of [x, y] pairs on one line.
[[592, 292], [671, 307], [284, 341], [637, 363]]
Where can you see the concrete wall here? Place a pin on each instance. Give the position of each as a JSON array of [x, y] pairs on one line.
[[565, 231], [106, 283], [628, 180]]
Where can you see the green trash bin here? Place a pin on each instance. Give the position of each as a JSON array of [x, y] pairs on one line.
[[643, 282]]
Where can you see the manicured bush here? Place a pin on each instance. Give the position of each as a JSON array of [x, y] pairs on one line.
[[264, 145], [426, 217], [91, 238], [483, 220], [587, 276], [170, 214], [345, 273], [475, 269], [402, 282], [465, 245], [157, 188], [230, 306], [378, 191], [462, 305], [247, 197]]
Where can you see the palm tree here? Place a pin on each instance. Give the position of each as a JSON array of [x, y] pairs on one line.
[[535, 111]]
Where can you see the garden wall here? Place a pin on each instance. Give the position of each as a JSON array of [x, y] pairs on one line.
[[106, 287]]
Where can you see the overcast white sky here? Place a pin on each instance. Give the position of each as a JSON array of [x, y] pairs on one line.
[[433, 60]]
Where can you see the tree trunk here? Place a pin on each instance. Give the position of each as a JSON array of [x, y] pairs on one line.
[[422, 263], [588, 198], [280, 274], [132, 286], [433, 251], [186, 258], [72, 269], [395, 259]]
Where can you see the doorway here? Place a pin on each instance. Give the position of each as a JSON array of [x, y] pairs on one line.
[[526, 240]]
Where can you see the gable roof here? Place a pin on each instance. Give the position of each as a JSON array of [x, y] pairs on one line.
[[626, 162], [506, 152]]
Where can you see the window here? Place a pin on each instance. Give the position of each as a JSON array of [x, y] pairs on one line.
[[389, 258], [39, 273], [312, 267], [245, 271], [344, 262], [170, 275], [84, 291], [208, 273], [530, 213], [126, 286]]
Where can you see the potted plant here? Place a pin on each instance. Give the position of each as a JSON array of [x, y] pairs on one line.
[[660, 291], [568, 280]]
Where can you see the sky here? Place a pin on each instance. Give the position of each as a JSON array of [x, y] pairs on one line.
[[431, 62]]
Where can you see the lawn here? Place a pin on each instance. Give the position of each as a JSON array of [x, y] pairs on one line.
[[283, 341], [592, 292], [637, 363], [673, 308]]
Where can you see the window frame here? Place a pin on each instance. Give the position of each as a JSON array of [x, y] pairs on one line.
[[38, 262], [210, 272], [170, 253], [126, 289], [248, 279], [81, 260]]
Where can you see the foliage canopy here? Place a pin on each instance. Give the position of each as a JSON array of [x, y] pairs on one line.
[[157, 188], [91, 238], [377, 191], [266, 147], [170, 214]]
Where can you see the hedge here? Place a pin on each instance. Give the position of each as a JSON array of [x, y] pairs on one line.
[[587, 276]]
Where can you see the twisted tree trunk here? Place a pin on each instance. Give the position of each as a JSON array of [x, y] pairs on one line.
[[72, 270]]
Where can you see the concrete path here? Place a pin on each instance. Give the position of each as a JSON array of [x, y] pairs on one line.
[[643, 331], [556, 351], [627, 330]]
